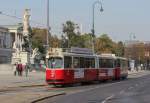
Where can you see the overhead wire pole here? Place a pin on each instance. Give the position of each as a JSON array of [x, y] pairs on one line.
[[48, 28]]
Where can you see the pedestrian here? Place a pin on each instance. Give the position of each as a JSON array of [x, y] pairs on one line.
[[27, 69], [15, 69], [20, 68]]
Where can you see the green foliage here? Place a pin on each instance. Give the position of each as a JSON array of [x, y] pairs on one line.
[[103, 43], [73, 39], [86, 40], [119, 50], [55, 42], [39, 39]]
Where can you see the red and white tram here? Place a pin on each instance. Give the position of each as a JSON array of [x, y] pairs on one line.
[[81, 65], [67, 67]]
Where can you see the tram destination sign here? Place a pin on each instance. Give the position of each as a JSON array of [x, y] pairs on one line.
[[81, 50]]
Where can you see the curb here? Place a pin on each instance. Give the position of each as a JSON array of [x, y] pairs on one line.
[[36, 85], [46, 97], [13, 88], [135, 73]]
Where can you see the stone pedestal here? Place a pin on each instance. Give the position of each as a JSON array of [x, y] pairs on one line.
[[21, 56]]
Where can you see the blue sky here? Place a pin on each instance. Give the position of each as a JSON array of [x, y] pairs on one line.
[[119, 19]]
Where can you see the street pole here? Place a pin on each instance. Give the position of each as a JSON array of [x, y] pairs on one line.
[[48, 33], [93, 21], [48, 28]]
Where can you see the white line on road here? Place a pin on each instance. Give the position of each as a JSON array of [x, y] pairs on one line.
[[130, 88], [121, 92], [108, 98], [136, 85]]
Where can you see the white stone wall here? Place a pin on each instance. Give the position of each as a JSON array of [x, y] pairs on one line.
[[21, 56]]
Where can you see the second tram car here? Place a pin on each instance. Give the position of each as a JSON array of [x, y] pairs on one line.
[[79, 65], [112, 67]]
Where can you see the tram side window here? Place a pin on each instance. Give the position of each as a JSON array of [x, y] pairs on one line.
[[89, 63], [82, 62], [93, 62], [124, 64], [68, 62], [118, 63], [106, 63], [76, 62]]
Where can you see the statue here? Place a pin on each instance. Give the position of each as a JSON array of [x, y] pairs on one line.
[[35, 52], [26, 21], [14, 45], [26, 31]]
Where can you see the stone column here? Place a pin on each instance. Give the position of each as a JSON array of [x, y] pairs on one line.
[[16, 40], [20, 42]]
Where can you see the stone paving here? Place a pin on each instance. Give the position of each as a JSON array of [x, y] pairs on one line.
[[33, 78], [16, 89]]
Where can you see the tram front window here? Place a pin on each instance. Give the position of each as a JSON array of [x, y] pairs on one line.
[[55, 62]]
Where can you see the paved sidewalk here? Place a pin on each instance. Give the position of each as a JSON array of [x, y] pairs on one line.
[[27, 97], [7, 79], [139, 71], [16, 89]]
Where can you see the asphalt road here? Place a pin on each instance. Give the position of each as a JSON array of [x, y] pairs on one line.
[[132, 90]]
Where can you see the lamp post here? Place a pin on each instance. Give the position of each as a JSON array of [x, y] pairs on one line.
[[93, 20]]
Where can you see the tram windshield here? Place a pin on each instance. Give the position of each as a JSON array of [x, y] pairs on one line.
[[106, 63], [55, 62]]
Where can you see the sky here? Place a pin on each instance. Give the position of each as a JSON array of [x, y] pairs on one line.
[[121, 19]]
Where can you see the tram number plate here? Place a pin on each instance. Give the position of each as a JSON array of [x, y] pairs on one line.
[[78, 73]]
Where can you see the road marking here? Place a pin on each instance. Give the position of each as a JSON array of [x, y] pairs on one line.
[[136, 85], [108, 98], [121, 92], [130, 88]]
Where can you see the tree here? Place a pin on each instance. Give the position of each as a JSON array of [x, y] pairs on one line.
[[119, 50], [73, 38], [86, 40], [104, 44], [39, 39], [55, 42], [135, 51]]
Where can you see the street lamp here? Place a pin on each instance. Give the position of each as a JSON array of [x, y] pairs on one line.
[[93, 21]]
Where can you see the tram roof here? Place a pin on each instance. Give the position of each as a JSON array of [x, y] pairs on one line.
[[111, 56], [81, 52]]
